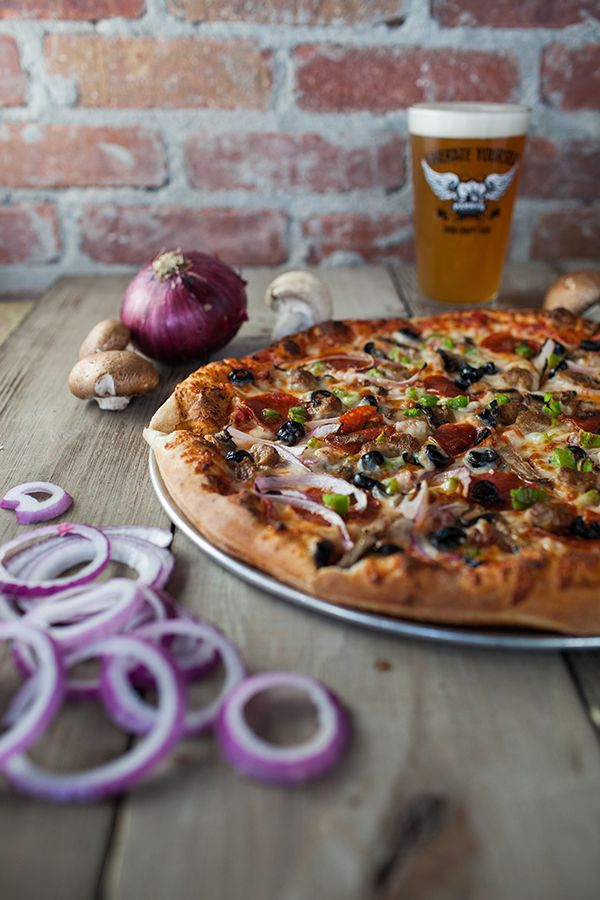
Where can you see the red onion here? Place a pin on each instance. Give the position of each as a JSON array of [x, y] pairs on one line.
[[184, 306], [253, 756], [116, 776], [44, 705], [29, 510]]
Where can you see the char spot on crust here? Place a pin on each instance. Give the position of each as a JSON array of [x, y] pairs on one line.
[[290, 347], [333, 328]]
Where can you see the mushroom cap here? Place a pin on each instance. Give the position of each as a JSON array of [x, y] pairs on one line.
[[576, 291], [110, 334], [301, 287], [112, 373]]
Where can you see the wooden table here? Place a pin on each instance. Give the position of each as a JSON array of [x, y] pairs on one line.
[[472, 775]]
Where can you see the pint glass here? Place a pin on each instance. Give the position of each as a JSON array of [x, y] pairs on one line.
[[466, 162]]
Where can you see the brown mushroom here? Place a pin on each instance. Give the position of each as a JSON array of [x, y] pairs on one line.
[[112, 377], [576, 291], [110, 334]]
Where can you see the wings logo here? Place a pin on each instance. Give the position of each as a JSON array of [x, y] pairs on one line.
[[468, 197]]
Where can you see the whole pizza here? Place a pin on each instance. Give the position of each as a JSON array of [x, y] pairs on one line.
[[443, 468]]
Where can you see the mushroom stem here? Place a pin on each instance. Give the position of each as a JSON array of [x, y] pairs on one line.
[[300, 300], [113, 403], [576, 291]]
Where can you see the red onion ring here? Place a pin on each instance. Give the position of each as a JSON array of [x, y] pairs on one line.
[[321, 482], [294, 498], [153, 564], [26, 587], [161, 537], [116, 776], [29, 510], [285, 452], [130, 712], [43, 707], [253, 756], [87, 615]]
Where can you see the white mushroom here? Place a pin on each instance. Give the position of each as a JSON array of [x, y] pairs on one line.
[[300, 300], [576, 291], [112, 377], [110, 334]]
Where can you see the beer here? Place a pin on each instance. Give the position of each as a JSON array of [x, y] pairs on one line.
[[466, 163]]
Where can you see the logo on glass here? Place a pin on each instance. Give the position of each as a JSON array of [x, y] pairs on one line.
[[468, 197]]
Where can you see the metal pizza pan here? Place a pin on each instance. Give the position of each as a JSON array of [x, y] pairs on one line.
[[466, 637]]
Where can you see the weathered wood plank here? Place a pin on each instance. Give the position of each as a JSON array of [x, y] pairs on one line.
[[466, 774], [11, 313], [100, 458]]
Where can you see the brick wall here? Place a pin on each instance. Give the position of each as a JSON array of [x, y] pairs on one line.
[[273, 130]]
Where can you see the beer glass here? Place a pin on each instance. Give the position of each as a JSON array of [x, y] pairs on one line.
[[466, 162]]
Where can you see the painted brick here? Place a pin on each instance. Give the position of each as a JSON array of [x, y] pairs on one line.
[[148, 72], [50, 156], [13, 84], [354, 237], [569, 233], [134, 235], [291, 12], [571, 76], [334, 78], [28, 234], [511, 14], [273, 161], [70, 9], [560, 170]]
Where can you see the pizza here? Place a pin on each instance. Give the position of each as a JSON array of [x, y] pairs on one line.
[[443, 468]]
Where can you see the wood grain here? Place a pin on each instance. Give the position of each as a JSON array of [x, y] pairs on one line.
[[466, 771], [100, 458]]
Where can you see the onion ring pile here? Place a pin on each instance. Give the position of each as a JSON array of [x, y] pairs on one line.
[[143, 640]]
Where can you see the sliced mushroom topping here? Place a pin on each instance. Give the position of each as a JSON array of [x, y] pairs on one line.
[[513, 461], [518, 377], [325, 405], [303, 380], [264, 455], [552, 516]]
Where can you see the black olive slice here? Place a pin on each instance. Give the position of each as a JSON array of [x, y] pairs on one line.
[[448, 537], [323, 553], [372, 460], [589, 531], [241, 376], [478, 459], [594, 346], [437, 456], [365, 482], [237, 456], [290, 433]]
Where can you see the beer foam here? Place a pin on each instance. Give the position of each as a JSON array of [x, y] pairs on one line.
[[468, 120]]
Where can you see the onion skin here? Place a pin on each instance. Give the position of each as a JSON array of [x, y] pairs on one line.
[[165, 306]]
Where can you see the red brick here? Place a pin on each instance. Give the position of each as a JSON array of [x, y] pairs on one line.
[[334, 78], [291, 12], [571, 76], [567, 234], [71, 9], [272, 161], [511, 14], [137, 233], [13, 83], [355, 237], [560, 170], [48, 156], [187, 72], [28, 233]]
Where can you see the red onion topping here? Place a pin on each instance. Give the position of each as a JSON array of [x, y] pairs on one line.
[[26, 587], [287, 453], [255, 757], [116, 776], [184, 306], [43, 707], [28, 509], [320, 482], [324, 512]]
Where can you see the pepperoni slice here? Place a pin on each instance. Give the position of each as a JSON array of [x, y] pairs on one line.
[[276, 400], [493, 490], [442, 386], [590, 422], [504, 342], [358, 418], [455, 439]]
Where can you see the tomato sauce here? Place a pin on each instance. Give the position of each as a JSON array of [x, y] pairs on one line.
[[253, 408]]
